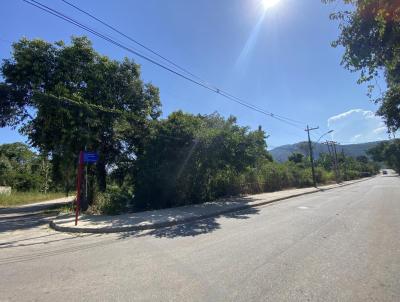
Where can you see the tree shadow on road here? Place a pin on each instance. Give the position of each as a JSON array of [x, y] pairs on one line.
[[194, 228], [21, 223]]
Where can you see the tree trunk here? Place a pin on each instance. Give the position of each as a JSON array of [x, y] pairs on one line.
[[101, 175], [66, 188]]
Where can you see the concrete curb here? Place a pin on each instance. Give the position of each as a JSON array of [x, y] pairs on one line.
[[108, 230]]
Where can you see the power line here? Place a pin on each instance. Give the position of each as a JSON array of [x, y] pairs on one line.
[[135, 52], [130, 38], [86, 105], [166, 59]]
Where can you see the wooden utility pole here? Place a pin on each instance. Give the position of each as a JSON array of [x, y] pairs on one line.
[[333, 153], [311, 154], [333, 160], [344, 164], [336, 160]]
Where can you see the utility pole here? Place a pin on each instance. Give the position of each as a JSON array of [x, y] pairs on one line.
[[333, 153], [333, 160], [344, 164], [311, 154], [86, 184], [337, 162]]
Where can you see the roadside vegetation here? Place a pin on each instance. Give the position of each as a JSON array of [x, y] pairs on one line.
[[24, 170], [193, 159], [83, 100], [22, 198], [387, 153], [28, 174]]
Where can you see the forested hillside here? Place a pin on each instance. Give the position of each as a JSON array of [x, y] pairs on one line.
[[282, 153]]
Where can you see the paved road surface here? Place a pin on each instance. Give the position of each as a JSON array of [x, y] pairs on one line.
[[33, 208], [339, 245]]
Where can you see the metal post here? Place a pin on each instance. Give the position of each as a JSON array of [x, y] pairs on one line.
[[86, 203], [78, 187]]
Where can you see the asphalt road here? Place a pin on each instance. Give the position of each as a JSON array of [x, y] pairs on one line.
[[338, 245]]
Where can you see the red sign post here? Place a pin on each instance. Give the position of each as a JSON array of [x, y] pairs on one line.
[[78, 186]]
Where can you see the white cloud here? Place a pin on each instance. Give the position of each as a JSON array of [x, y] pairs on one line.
[[380, 130], [343, 115], [357, 126]]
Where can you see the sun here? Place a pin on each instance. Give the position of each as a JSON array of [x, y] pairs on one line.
[[267, 4]]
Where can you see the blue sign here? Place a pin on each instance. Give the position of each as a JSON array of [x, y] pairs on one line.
[[90, 157]]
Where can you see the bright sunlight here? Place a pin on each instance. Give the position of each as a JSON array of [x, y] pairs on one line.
[[269, 3]]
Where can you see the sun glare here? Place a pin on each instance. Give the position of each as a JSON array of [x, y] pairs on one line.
[[269, 3]]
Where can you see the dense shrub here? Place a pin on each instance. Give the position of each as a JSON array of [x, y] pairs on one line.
[[323, 176], [275, 176], [113, 201], [350, 175], [196, 158], [226, 183]]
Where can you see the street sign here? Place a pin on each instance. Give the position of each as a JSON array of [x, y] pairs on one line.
[[90, 157]]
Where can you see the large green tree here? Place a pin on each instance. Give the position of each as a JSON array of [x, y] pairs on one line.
[[370, 34], [66, 98], [22, 169], [195, 158], [387, 152]]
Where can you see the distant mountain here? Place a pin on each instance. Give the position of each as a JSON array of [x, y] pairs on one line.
[[281, 154]]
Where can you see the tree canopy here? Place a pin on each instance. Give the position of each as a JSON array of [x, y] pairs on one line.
[[296, 157], [66, 98], [196, 158], [370, 34], [22, 169], [387, 152]]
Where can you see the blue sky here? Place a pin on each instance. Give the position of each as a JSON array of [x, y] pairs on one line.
[[282, 62]]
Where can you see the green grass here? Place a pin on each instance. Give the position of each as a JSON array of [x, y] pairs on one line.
[[21, 198]]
